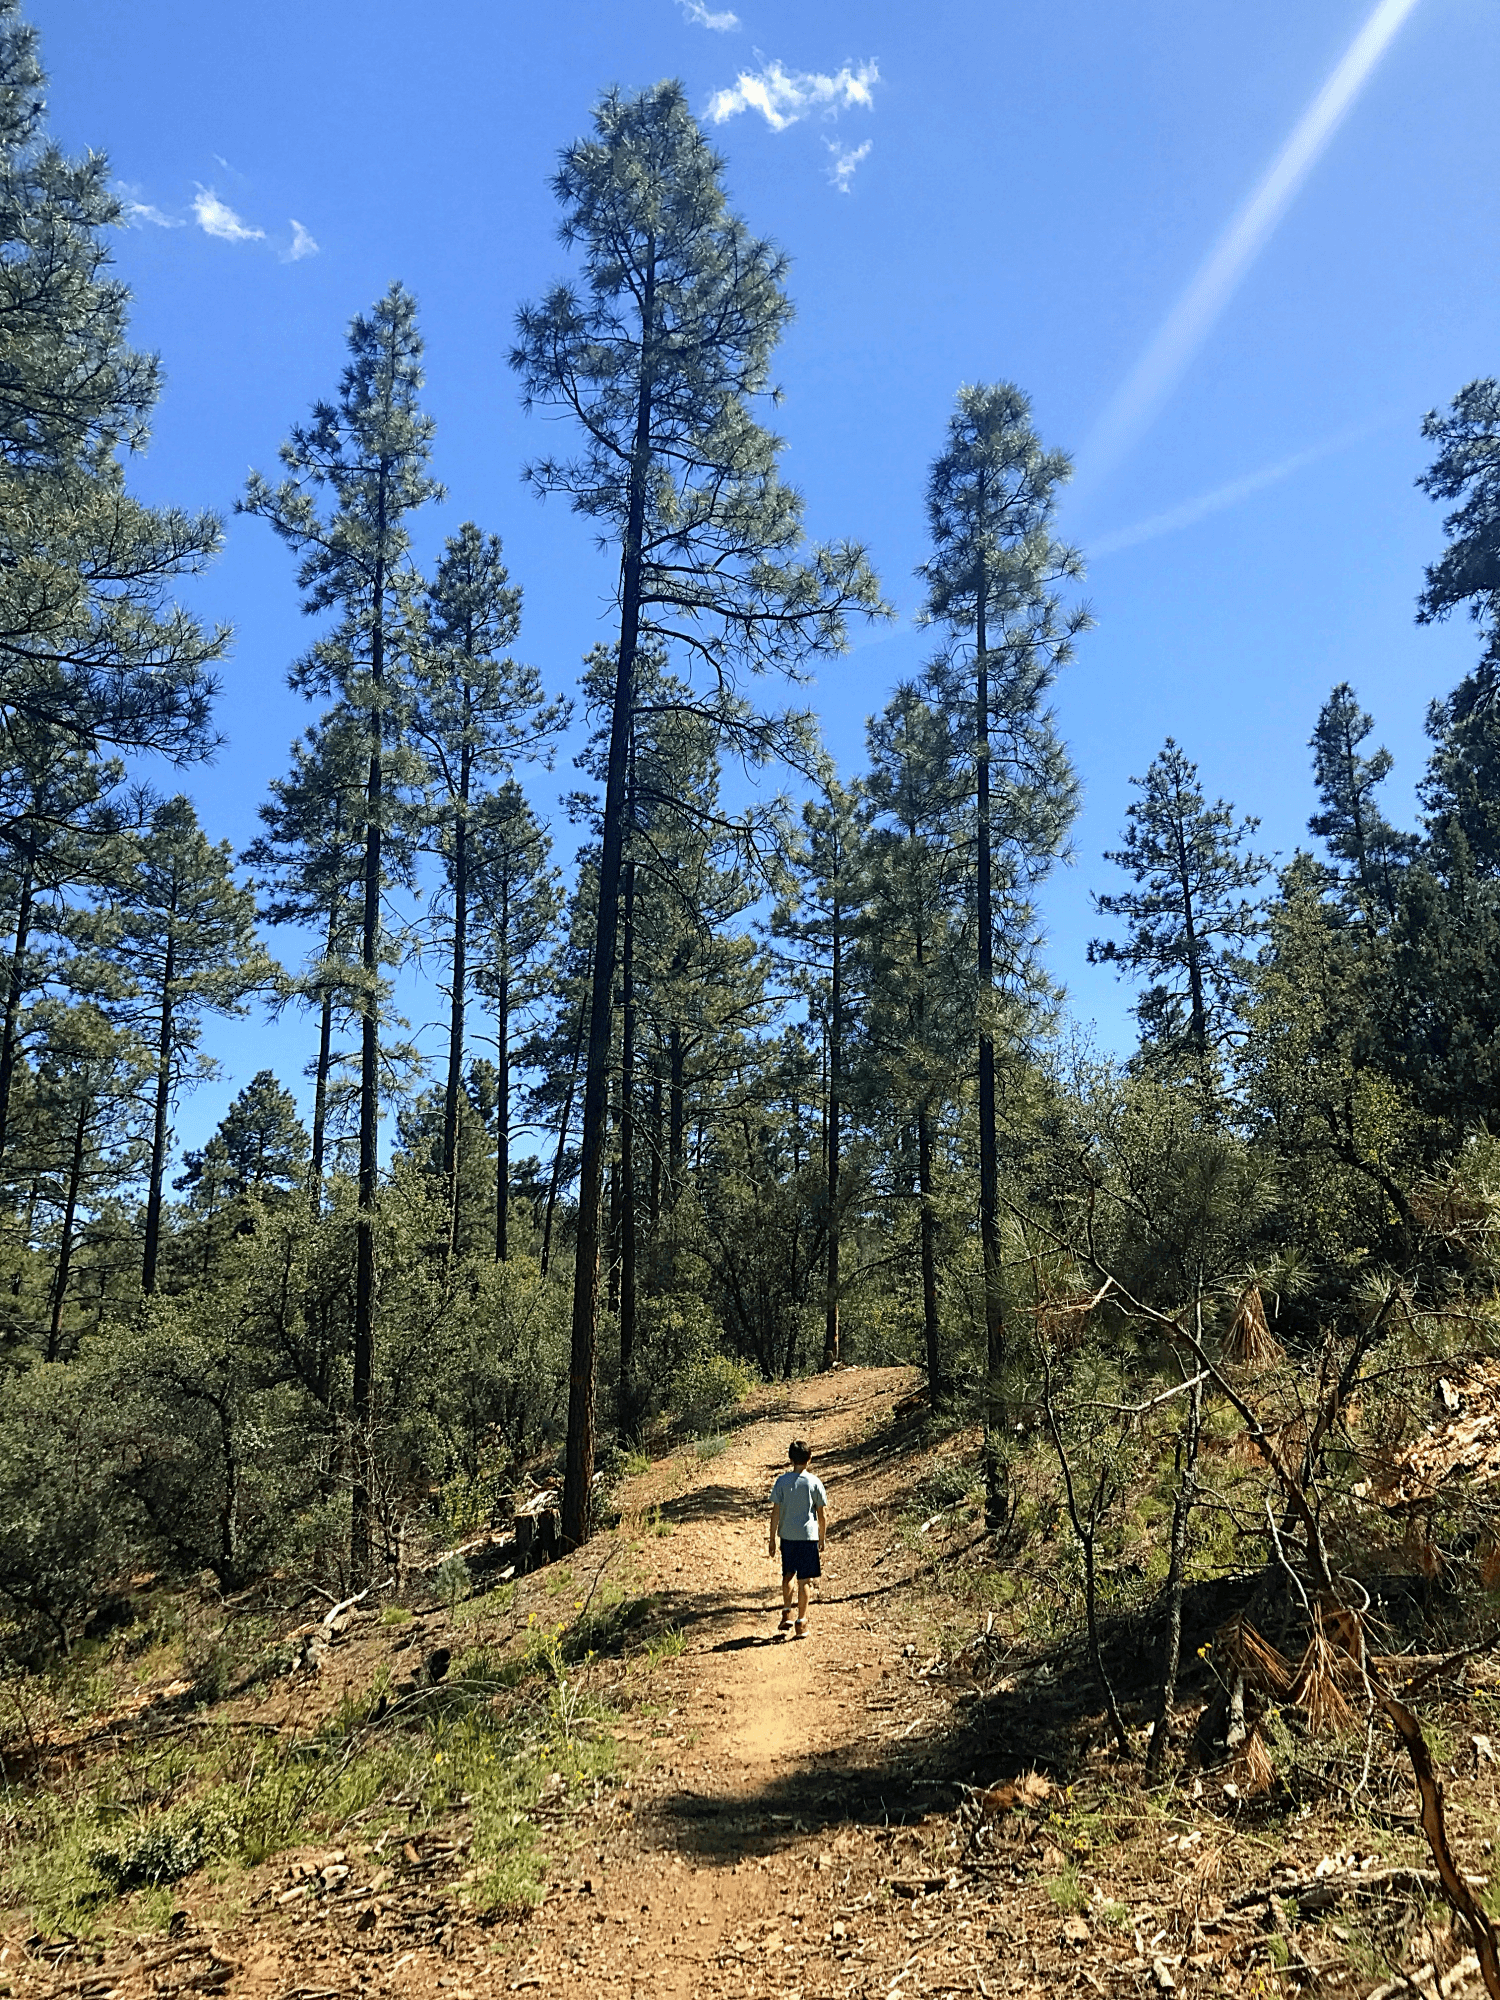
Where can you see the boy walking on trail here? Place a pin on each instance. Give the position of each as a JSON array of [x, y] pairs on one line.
[[799, 1515]]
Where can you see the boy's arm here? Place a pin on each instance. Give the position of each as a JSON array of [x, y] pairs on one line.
[[822, 1514], [775, 1524]]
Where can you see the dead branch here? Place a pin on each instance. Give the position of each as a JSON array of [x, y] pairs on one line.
[[1087, 1536]]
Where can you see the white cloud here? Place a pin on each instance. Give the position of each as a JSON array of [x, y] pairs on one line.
[[217, 218], [138, 212], [694, 10], [784, 96], [303, 244], [845, 160]]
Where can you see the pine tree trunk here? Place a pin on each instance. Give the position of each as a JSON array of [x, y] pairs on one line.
[[320, 1081], [579, 1467], [502, 1118], [362, 1497], [1194, 947], [935, 1383], [159, 1120], [835, 1073], [15, 992], [653, 1213], [627, 1164], [676, 1114], [613, 1289], [563, 1124], [996, 1508], [459, 973], [65, 1247]]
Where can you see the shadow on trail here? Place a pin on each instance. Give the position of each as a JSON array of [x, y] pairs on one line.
[[706, 1503], [1045, 1715]]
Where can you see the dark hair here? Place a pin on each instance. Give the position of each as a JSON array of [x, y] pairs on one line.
[[798, 1452]]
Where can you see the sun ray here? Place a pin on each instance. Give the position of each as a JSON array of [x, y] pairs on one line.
[[1188, 324]]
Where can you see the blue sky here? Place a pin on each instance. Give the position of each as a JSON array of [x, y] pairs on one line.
[[967, 191]]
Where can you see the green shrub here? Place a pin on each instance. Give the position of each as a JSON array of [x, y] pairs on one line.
[[944, 1483], [707, 1389], [160, 1849], [63, 1533]]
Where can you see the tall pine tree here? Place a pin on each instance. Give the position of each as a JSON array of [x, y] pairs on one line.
[[994, 582], [661, 358], [1360, 838], [1189, 916], [90, 645], [309, 865], [369, 452], [519, 906], [186, 941], [476, 712]]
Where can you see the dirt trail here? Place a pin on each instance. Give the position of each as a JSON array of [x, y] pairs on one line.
[[725, 1887], [784, 1817], [739, 1849], [764, 1702]]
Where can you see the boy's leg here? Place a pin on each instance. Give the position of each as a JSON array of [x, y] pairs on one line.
[[787, 1583], [802, 1600]]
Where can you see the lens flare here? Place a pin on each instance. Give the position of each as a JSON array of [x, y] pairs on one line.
[[1192, 318]]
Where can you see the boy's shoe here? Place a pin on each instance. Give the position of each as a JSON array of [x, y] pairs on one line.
[[786, 1622], [799, 1630]]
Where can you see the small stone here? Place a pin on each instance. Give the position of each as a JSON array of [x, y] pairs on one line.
[[1075, 1931]]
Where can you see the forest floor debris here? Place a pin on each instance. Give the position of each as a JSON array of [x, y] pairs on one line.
[[912, 1801]]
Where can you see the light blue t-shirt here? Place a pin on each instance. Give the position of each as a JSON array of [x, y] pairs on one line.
[[798, 1495]]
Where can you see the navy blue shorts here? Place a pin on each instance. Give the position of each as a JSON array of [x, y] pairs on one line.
[[800, 1559]]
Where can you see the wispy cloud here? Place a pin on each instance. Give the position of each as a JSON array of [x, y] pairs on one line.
[[845, 160], [783, 96], [303, 243], [1189, 512], [722, 23], [1189, 323], [217, 218], [138, 212]]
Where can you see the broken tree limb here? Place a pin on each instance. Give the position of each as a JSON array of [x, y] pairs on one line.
[[1345, 1623]]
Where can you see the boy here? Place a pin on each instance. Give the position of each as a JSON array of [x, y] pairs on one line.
[[799, 1515]]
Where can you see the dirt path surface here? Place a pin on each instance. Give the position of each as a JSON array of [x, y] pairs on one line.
[[858, 1815]]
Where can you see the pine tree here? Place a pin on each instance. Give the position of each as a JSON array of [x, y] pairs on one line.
[[89, 647], [476, 712], [993, 583], [311, 857], [1351, 822], [660, 359], [59, 835], [519, 905], [683, 982], [820, 927], [1467, 469], [1442, 1005], [370, 451], [914, 947], [1460, 789], [186, 941], [1190, 912], [260, 1148], [89, 1129]]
